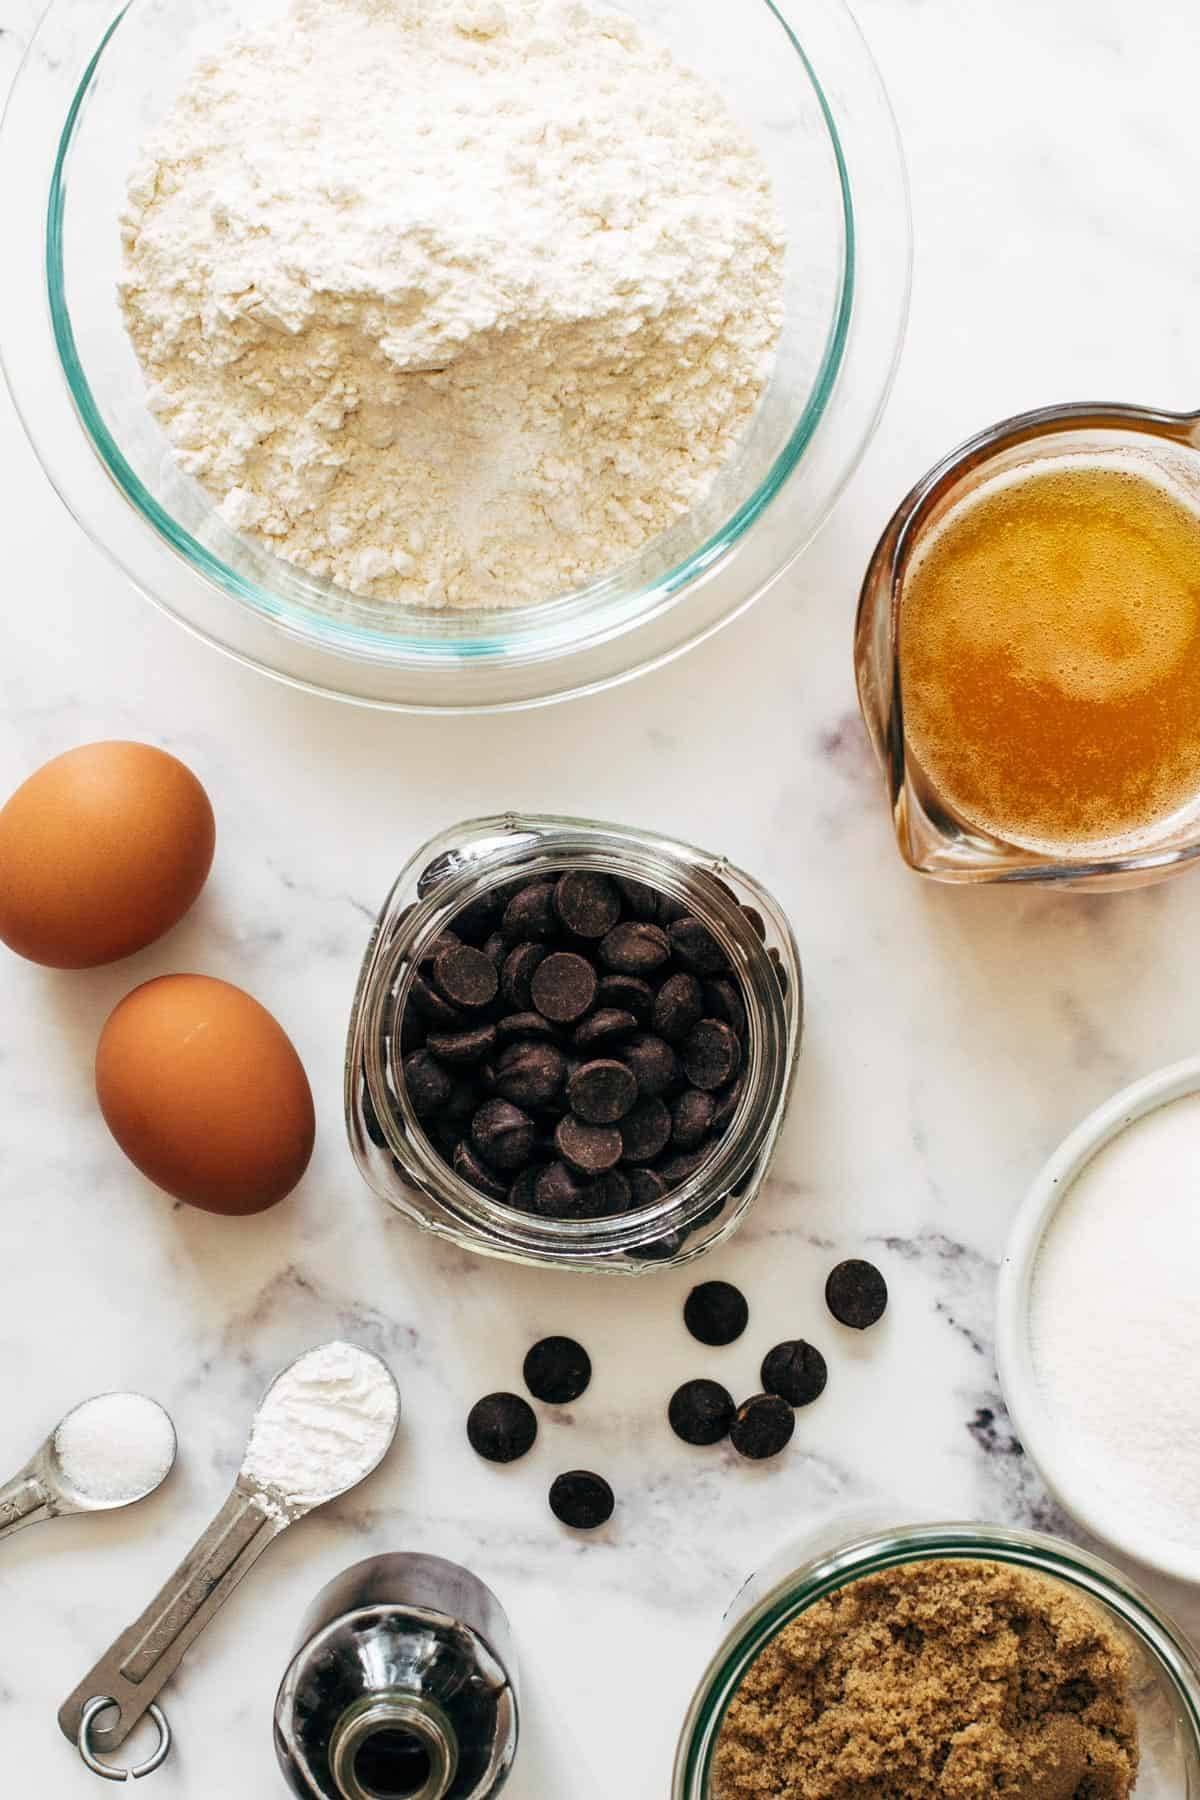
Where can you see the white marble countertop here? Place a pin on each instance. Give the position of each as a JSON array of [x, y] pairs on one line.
[[953, 1037]]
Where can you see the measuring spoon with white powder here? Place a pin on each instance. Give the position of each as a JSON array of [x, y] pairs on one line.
[[323, 1425], [108, 1452]]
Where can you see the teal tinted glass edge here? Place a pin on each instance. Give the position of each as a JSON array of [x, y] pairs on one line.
[[359, 639], [721, 1684]]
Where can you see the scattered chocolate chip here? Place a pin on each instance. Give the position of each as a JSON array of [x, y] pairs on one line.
[[557, 1371], [530, 913], [606, 1027], [581, 1500], [678, 1006], [517, 972], [635, 948], [427, 1000], [472, 1169], [694, 945], [502, 1427], [626, 993], [701, 1412], [463, 1046], [762, 1427], [502, 1134], [429, 1087], [711, 1055], [530, 1073], [646, 1188], [716, 1312], [691, 1118], [589, 1148], [856, 1294], [466, 976], [588, 904], [654, 1064], [646, 1131], [796, 1372], [602, 1092], [563, 987]]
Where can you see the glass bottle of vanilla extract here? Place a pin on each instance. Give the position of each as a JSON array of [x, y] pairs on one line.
[[402, 1687]]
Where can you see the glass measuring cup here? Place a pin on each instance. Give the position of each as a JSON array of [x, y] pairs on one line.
[[933, 838]]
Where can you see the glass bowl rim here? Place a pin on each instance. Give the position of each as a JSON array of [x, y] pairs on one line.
[[611, 610], [830, 1569]]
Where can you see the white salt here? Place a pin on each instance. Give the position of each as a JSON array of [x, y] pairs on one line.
[[1115, 1322], [115, 1448]]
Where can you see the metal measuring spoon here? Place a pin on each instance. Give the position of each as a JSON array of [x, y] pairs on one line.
[[128, 1678], [44, 1489]]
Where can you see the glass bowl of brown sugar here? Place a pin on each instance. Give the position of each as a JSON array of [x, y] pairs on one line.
[[932, 1657]]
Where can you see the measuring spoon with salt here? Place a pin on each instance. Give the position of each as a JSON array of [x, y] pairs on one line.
[[108, 1451], [323, 1425]]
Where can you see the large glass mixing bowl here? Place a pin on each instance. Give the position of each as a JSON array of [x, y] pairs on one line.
[[100, 73]]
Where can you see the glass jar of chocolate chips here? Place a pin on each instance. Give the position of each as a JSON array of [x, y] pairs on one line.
[[573, 1043]]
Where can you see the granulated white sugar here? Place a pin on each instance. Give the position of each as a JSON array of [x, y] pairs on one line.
[[116, 1447], [1115, 1323]]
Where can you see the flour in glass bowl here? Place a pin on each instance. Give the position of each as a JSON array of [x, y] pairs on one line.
[[452, 302]]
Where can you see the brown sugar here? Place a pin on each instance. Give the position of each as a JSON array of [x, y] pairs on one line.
[[947, 1680]]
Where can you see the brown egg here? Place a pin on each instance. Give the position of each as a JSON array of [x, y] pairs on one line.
[[101, 851], [204, 1092]]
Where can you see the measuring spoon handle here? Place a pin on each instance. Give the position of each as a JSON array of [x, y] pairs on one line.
[[23, 1501], [143, 1659]]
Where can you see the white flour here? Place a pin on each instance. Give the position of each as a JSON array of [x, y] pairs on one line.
[[1115, 1325], [455, 302], [323, 1425], [116, 1447]]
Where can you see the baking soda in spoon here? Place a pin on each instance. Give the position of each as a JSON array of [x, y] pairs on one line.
[[323, 1425]]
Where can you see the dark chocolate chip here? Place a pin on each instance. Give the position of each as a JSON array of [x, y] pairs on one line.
[[725, 1103], [517, 972], [502, 1427], [602, 1092], [723, 1000], [626, 993], [655, 1065], [716, 1312], [530, 913], [412, 1030], [466, 976], [670, 909], [581, 1500], [479, 916], [471, 1169], [795, 1371], [503, 1135], [635, 948], [525, 1025], [756, 922], [683, 1164], [587, 903], [646, 1188], [856, 1294], [701, 1412], [608, 1026], [370, 1119], [606, 1197], [495, 948], [659, 1249], [463, 1046], [557, 1371], [530, 1073], [691, 1118], [589, 1148], [646, 1131], [678, 1006], [465, 1099], [780, 971], [429, 1087], [425, 997], [564, 987], [694, 945], [445, 940], [641, 900], [711, 1055], [523, 1193], [762, 1427], [559, 1193]]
